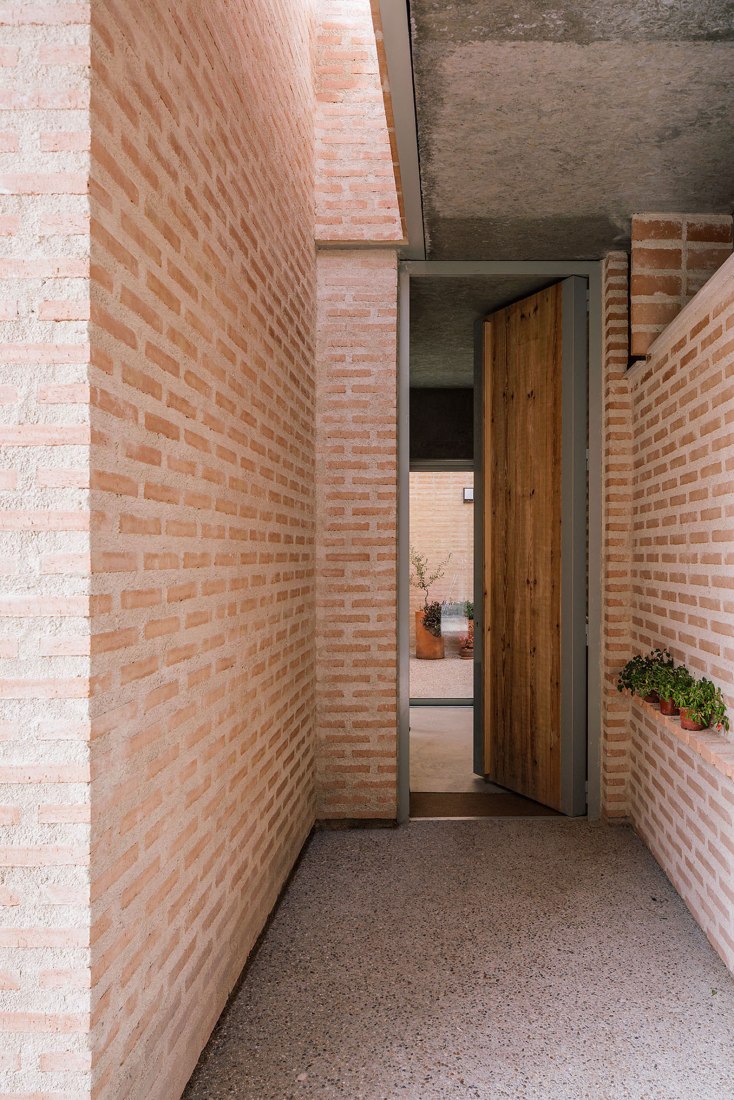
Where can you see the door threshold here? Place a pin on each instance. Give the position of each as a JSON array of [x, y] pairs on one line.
[[442, 702], [460, 804]]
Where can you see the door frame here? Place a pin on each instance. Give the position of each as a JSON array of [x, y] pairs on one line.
[[591, 271]]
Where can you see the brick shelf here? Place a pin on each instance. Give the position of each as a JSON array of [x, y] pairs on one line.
[[716, 749]]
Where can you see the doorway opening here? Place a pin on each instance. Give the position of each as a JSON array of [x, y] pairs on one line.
[[445, 709], [442, 658], [442, 546]]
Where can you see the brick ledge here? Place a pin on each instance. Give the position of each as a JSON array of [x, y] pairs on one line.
[[716, 749], [711, 293]]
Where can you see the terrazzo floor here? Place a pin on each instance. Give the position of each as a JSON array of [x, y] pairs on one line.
[[535, 959]]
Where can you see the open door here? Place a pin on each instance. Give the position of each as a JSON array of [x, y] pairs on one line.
[[531, 730]]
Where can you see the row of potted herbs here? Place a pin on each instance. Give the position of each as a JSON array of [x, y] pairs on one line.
[[659, 681]]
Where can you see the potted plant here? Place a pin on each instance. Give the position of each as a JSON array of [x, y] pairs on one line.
[[467, 640], [429, 645], [638, 676], [666, 679], [701, 704]]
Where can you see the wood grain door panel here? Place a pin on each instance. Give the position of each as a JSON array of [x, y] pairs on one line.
[[523, 355]]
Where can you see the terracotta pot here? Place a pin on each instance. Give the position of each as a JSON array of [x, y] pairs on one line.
[[652, 698], [667, 706], [687, 724], [427, 647], [467, 653]]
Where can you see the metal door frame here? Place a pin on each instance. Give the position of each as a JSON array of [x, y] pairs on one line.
[[590, 273]]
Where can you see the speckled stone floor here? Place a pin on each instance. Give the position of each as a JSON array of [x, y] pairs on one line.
[[496, 959]]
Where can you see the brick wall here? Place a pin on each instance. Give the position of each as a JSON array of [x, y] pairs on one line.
[[682, 573], [672, 257], [442, 524], [389, 114], [356, 562], [682, 805], [616, 532], [194, 418], [356, 191], [44, 550], [203, 308]]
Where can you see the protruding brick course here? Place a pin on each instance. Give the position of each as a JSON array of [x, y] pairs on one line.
[[672, 257]]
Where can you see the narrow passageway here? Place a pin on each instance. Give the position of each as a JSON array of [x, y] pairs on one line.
[[536, 959]]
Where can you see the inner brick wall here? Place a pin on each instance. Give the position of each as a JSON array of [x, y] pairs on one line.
[[203, 410], [357, 196], [682, 574], [356, 560], [44, 551]]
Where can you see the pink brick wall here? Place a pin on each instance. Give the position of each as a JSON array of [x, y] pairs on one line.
[[389, 114], [683, 492], [356, 193], [682, 805], [356, 561], [616, 532], [44, 550], [203, 388], [197, 569], [672, 257], [682, 557]]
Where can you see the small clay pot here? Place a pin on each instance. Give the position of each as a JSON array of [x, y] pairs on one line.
[[667, 706], [427, 646], [687, 724], [653, 698], [467, 653]]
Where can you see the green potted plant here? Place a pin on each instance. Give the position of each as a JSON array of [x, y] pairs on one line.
[[467, 640], [666, 679], [429, 645], [638, 675], [701, 704]]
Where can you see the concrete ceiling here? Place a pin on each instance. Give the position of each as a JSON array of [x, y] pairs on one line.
[[442, 317], [543, 126]]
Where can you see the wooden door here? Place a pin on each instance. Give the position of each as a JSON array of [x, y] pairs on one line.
[[524, 364]]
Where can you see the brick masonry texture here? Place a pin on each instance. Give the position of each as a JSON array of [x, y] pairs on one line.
[[389, 114], [203, 391], [356, 196], [442, 524], [683, 808], [159, 521], [682, 577], [356, 558], [44, 550], [616, 532], [672, 257]]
